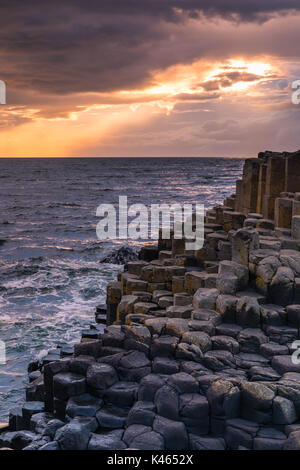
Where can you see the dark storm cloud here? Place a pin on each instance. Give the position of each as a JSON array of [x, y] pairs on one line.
[[168, 9], [66, 46]]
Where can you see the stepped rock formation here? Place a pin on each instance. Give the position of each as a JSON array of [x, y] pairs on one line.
[[197, 350]]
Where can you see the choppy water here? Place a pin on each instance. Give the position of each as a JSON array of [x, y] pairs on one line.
[[51, 277]]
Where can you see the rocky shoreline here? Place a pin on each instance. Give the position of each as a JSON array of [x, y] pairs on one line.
[[197, 348]]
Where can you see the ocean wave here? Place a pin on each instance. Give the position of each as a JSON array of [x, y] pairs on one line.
[[52, 205], [91, 247]]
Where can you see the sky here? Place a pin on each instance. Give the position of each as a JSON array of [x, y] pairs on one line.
[[149, 78]]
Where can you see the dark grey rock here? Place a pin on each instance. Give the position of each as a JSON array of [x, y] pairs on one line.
[[110, 351], [268, 444], [293, 441], [17, 439], [248, 312], [176, 327], [113, 339], [88, 348], [205, 381], [273, 315], [194, 368], [235, 438], [271, 433], [80, 364], [156, 325], [173, 432], [246, 360], [52, 426], [112, 360], [256, 402], [188, 352], [134, 366], [273, 349], [228, 330], [29, 409], [165, 346], [141, 413], [131, 345], [250, 427], [283, 411], [16, 419], [284, 364], [183, 383], [204, 314], [37, 444], [291, 428], [206, 443], [34, 375], [263, 374], [38, 422], [234, 375], [165, 365], [194, 412], [281, 289], [72, 437], [106, 441], [251, 339], [218, 360], [111, 418], [35, 391], [87, 423], [224, 399], [100, 377], [226, 306], [59, 408], [139, 333], [134, 431], [293, 315], [148, 441], [198, 338], [225, 343], [83, 405], [122, 394], [90, 334], [194, 405], [167, 402], [149, 386], [240, 432], [50, 446], [67, 384], [207, 327], [282, 334], [217, 426], [50, 370]]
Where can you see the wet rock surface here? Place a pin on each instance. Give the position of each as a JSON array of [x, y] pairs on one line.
[[198, 348]]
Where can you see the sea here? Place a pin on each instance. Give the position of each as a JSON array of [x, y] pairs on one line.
[[52, 274]]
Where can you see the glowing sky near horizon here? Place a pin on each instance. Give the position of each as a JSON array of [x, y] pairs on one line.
[[181, 79]]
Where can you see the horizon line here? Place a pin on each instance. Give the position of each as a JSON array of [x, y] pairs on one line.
[[107, 157]]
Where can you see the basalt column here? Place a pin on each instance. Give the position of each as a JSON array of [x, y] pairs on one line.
[[275, 182], [250, 185], [261, 187], [292, 172]]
